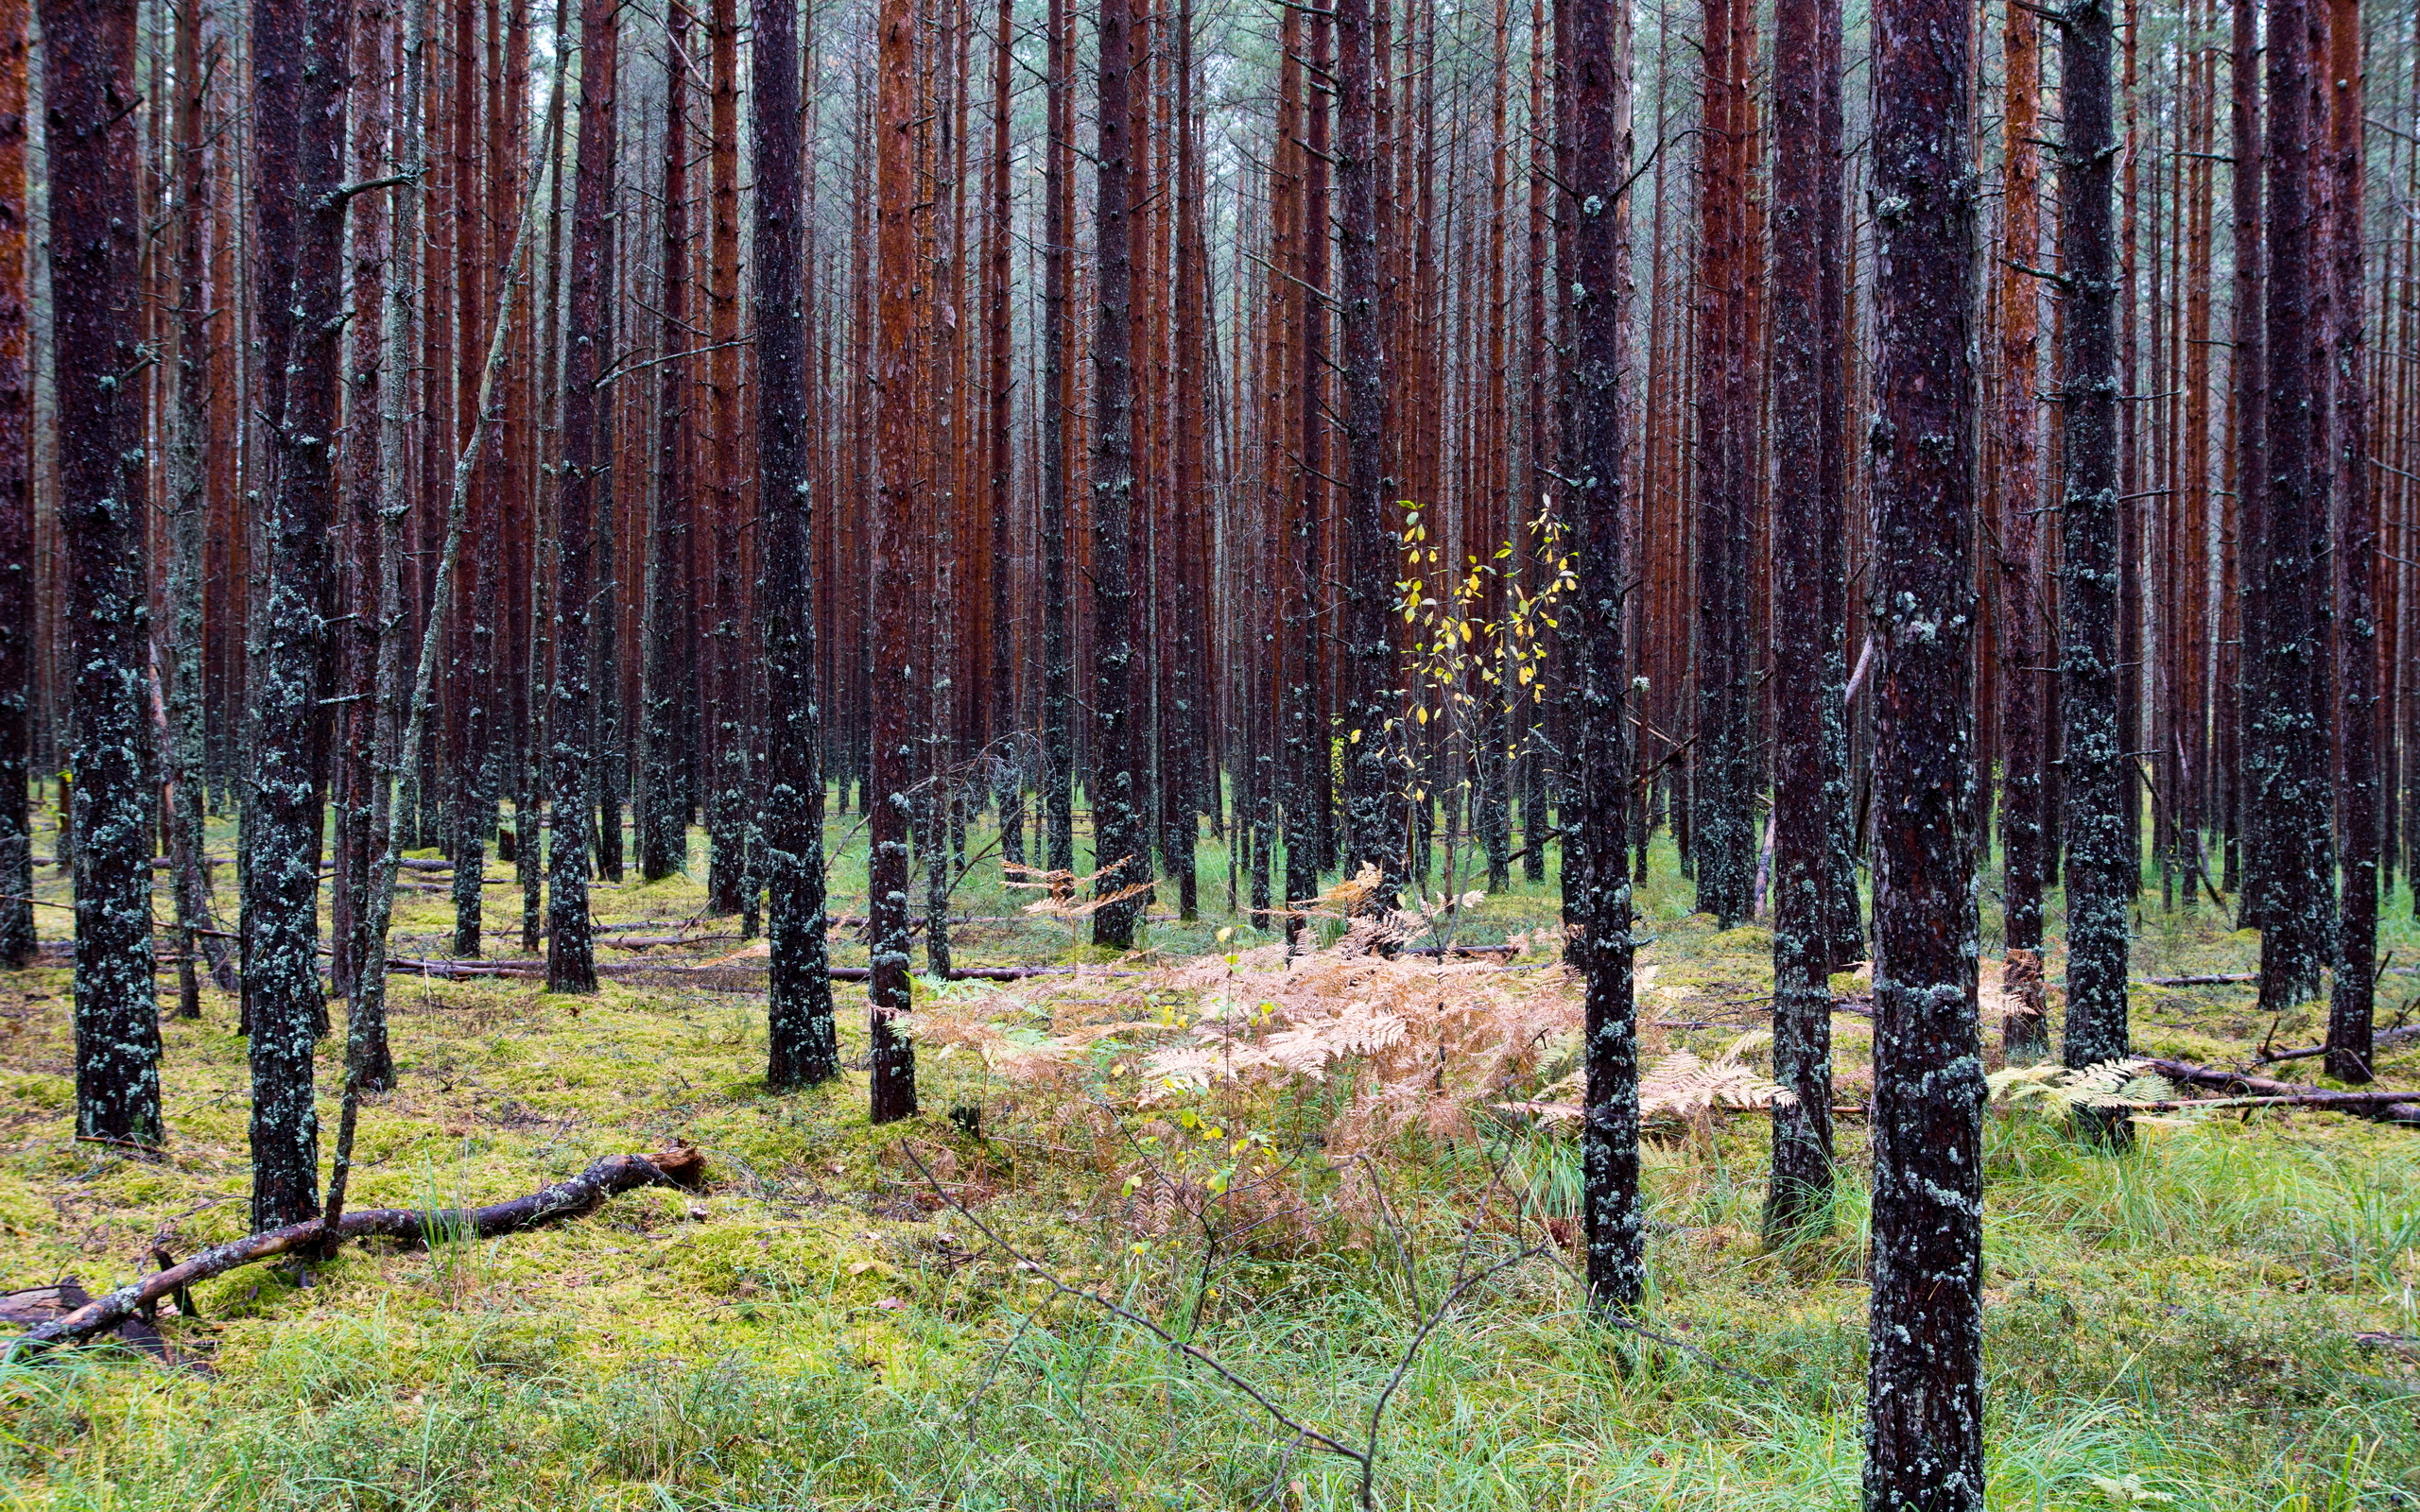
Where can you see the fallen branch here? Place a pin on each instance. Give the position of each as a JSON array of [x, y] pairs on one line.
[[2209, 979], [2386, 1106], [563, 1199]]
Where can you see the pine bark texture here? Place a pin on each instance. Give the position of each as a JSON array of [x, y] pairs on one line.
[[1121, 846], [2098, 845], [2351, 998], [804, 1047], [18, 622], [2286, 746], [571, 958], [1925, 1382], [1802, 1129], [301, 53], [1593, 162], [896, 550], [89, 99]]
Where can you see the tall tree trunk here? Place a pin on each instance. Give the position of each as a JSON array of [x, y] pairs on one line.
[[18, 622], [2026, 1035], [1059, 230], [1120, 845], [665, 773], [1722, 764], [1373, 815], [896, 548], [88, 100], [1924, 1379], [299, 62], [2095, 754], [1802, 1135], [803, 1049], [2351, 986], [2247, 400], [1593, 162], [571, 964], [2286, 746]]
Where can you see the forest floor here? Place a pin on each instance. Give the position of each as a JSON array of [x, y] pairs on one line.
[[852, 1317]]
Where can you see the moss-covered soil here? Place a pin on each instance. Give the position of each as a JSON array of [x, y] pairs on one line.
[[2180, 1327]]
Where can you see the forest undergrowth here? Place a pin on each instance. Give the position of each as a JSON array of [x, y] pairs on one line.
[[1292, 1167]]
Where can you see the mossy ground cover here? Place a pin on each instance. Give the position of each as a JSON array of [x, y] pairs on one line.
[[2175, 1327]]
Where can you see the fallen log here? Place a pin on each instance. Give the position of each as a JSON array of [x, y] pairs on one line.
[[2383, 1036], [2386, 1106], [551, 1204], [2209, 979]]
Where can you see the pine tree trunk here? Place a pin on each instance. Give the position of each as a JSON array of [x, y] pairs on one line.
[[896, 548], [1371, 803], [2026, 1035], [1925, 1383], [299, 60], [1120, 849], [88, 100], [804, 1047], [18, 621], [2351, 994], [571, 965], [1802, 1130], [2099, 851], [2286, 746], [666, 710], [1593, 162], [1058, 675]]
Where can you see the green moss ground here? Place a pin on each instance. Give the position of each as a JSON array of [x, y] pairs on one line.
[[2171, 1328]]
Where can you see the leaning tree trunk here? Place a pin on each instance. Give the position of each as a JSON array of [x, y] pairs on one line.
[[803, 1049], [571, 960], [89, 101], [1120, 848], [2099, 848], [2285, 742], [1592, 160], [17, 624], [299, 55], [2351, 988], [1802, 1129], [897, 599], [1924, 1376]]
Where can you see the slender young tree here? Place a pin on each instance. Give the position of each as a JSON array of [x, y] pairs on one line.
[[803, 1048], [1802, 1158], [2351, 998], [89, 101], [896, 552], [1924, 1376], [300, 54], [1592, 160], [2100, 851], [571, 962], [17, 574], [1121, 846]]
